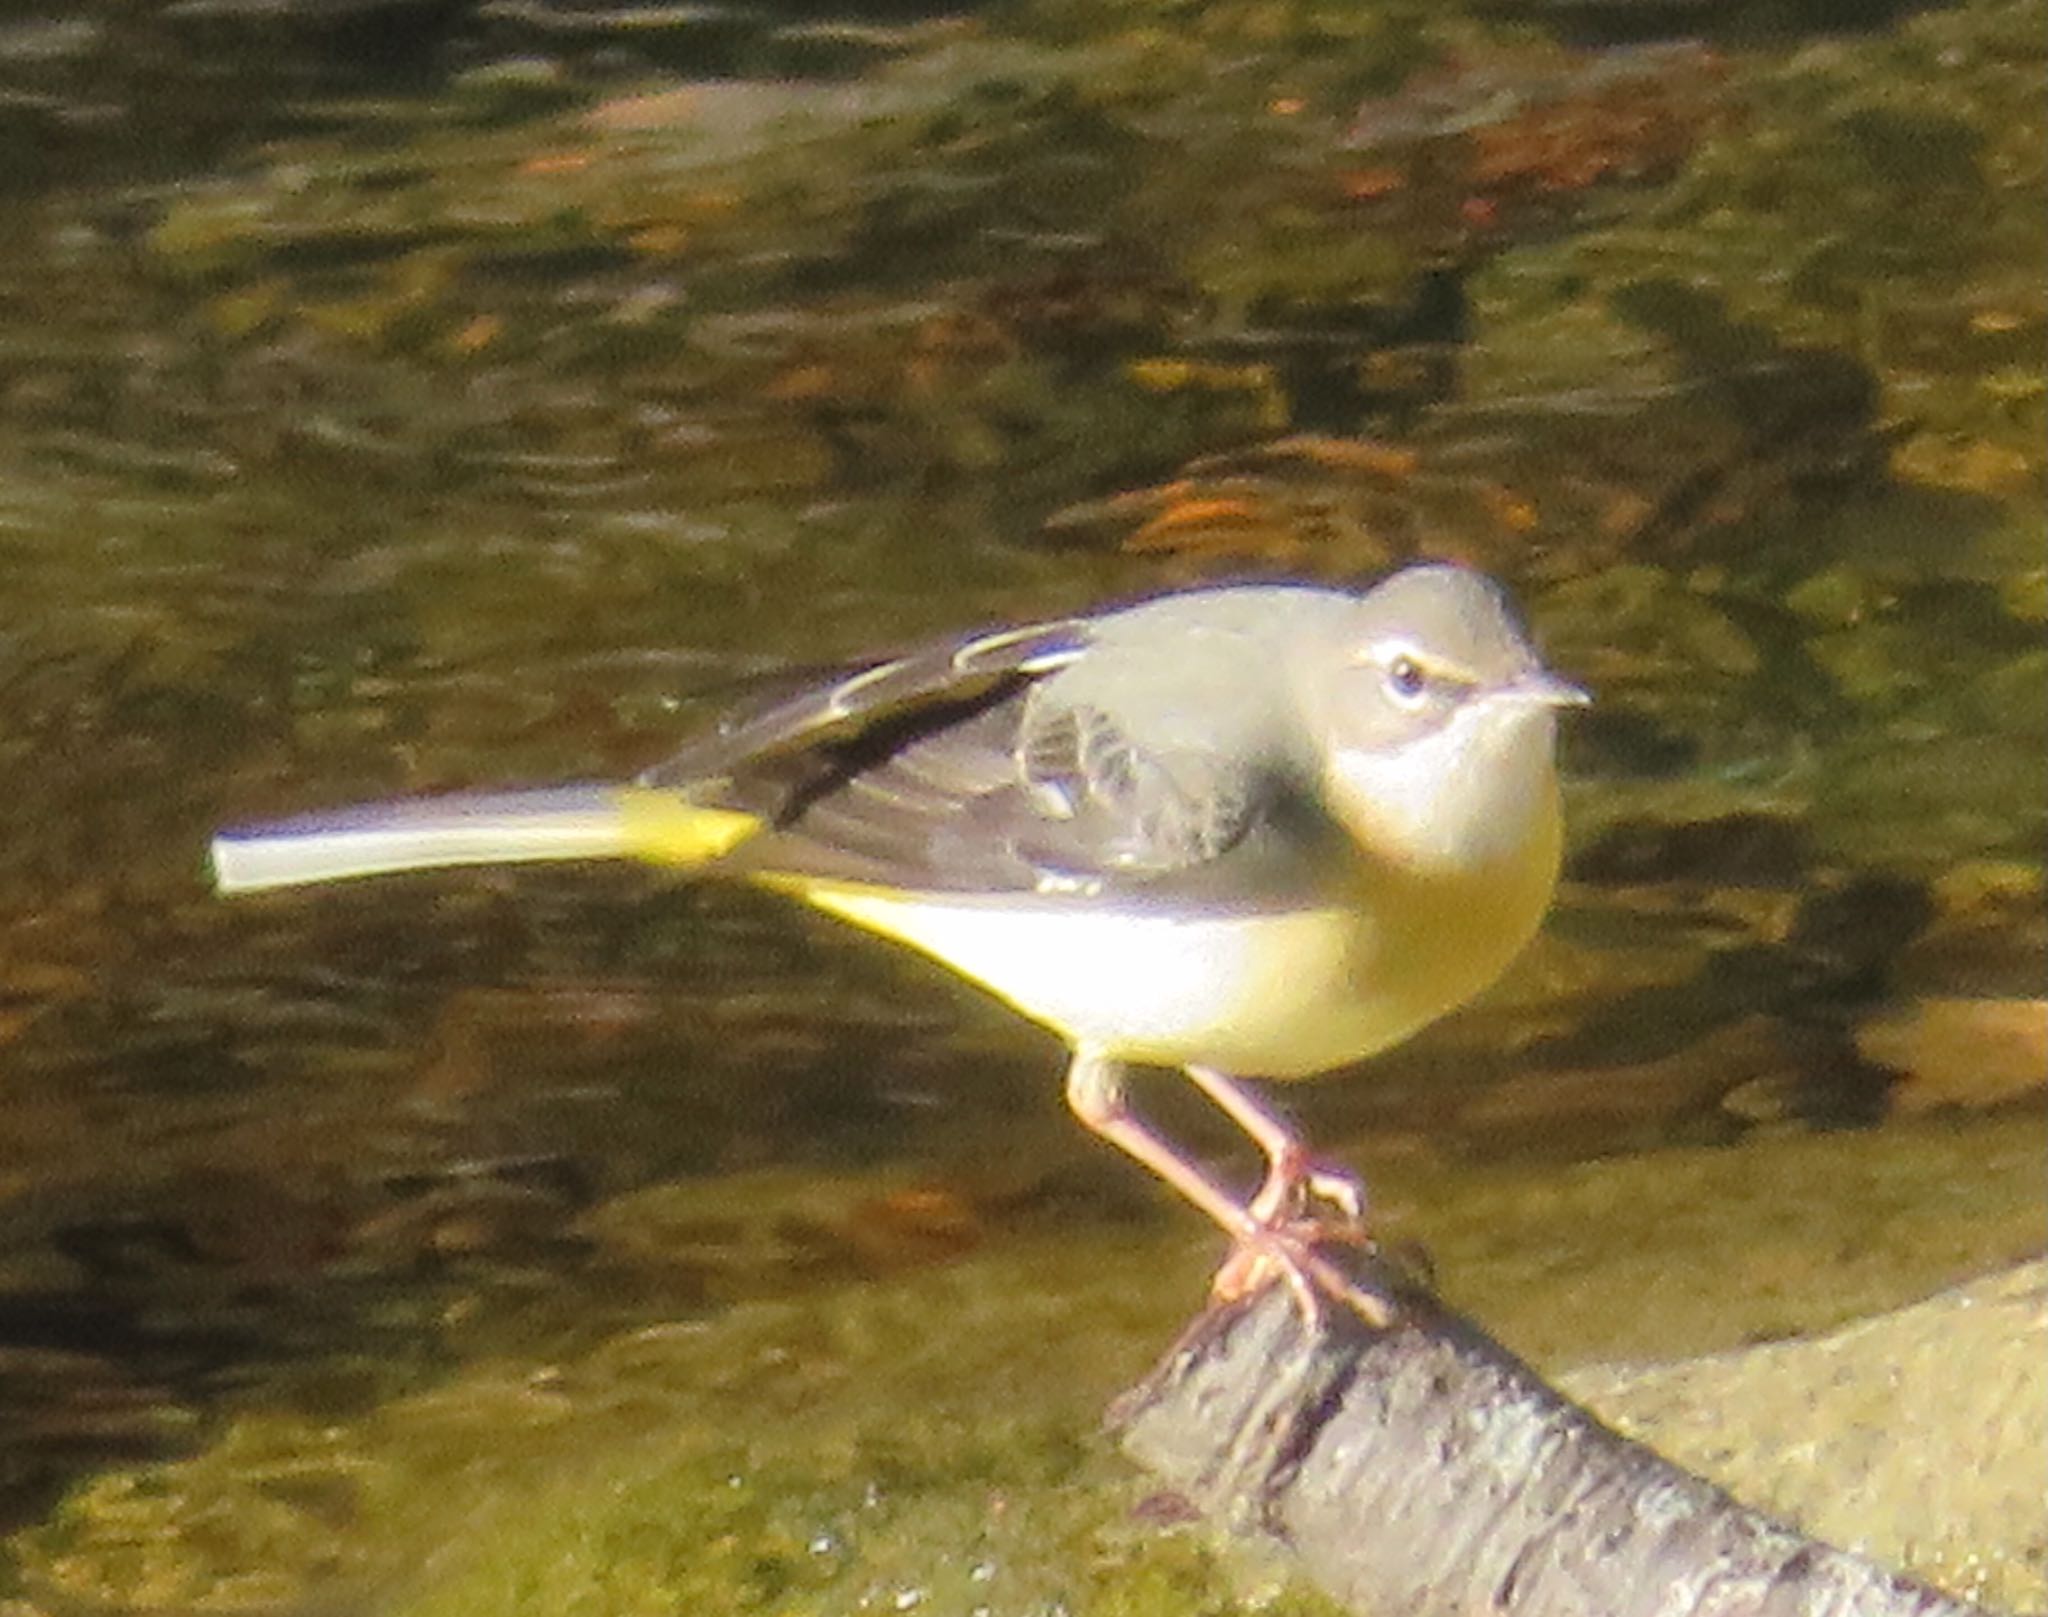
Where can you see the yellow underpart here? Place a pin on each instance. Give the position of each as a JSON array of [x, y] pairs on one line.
[[663, 828], [1266, 993], [835, 896], [1278, 993], [887, 912]]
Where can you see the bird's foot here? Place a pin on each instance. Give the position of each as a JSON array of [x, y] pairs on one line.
[[1300, 1188], [1289, 1251], [1302, 1206]]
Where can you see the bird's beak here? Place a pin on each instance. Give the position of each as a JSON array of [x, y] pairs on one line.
[[1545, 689]]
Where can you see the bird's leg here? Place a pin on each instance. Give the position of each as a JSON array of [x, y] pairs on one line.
[[1290, 1170], [1095, 1094]]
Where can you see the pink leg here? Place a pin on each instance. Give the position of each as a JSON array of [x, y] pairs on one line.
[[1264, 1242], [1289, 1168], [1095, 1093]]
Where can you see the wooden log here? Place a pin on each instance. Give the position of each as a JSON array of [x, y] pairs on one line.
[[1421, 1470]]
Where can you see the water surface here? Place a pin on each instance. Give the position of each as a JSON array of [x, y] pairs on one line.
[[397, 402]]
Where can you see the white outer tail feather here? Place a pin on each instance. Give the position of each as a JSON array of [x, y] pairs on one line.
[[475, 828]]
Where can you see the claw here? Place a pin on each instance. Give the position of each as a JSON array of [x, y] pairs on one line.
[[1295, 1181], [1288, 1220], [1277, 1234], [1287, 1252]]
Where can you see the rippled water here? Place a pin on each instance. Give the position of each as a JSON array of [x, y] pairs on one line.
[[393, 402]]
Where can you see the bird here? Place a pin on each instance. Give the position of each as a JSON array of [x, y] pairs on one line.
[[1253, 831]]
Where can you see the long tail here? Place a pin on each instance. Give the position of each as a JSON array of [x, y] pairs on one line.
[[477, 828]]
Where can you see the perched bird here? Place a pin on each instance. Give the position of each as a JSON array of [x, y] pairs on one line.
[[1259, 831]]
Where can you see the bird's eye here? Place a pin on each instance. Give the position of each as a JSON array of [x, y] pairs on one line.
[[1407, 679]]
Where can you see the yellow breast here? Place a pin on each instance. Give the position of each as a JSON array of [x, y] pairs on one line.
[[1269, 994]]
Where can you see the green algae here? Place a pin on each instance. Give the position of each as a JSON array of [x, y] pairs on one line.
[[932, 1440]]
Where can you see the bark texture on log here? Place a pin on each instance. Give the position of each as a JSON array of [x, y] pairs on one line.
[[1423, 1471]]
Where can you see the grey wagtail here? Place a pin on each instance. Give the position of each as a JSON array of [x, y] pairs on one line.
[[1263, 831]]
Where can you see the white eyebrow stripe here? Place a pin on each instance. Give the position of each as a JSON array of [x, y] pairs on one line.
[[1390, 649], [1385, 653]]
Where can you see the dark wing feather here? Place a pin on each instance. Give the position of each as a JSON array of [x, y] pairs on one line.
[[945, 770], [774, 758]]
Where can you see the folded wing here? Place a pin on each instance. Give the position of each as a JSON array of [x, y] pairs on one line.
[[970, 766], [985, 767]]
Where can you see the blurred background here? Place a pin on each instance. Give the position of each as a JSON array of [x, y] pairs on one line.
[[399, 395]]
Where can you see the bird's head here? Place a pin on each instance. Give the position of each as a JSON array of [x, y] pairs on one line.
[[1437, 724]]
